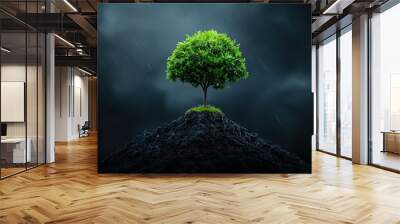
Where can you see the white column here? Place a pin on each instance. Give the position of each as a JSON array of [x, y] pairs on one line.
[[360, 90], [50, 99], [50, 92]]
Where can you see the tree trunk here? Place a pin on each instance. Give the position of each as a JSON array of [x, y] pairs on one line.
[[205, 96]]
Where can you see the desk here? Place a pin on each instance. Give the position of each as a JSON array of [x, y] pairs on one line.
[[391, 141], [15, 148]]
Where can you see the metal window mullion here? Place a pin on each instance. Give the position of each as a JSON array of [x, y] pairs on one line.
[[69, 92], [338, 92], [26, 86], [369, 91], [45, 95], [317, 96], [72, 93], [37, 91], [0, 92]]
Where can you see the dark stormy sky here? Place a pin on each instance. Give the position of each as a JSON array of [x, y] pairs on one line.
[[135, 41]]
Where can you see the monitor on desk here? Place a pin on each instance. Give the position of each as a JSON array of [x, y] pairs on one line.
[[3, 130]]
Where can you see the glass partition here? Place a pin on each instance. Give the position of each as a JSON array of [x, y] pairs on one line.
[[22, 100], [31, 99], [13, 89]]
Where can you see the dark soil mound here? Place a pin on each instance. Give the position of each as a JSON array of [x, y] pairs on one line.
[[202, 143]]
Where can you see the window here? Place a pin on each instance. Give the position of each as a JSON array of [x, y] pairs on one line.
[[334, 106], [385, 89], [327, 95], [346, 92]]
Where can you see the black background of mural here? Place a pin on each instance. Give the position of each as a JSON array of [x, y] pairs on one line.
[[136, 39]]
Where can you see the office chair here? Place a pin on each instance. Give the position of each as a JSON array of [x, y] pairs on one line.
[[84, 130]]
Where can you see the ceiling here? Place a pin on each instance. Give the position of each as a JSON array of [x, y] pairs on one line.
[[75, 21]]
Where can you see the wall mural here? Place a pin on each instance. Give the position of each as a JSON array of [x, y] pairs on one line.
[[204, 88]]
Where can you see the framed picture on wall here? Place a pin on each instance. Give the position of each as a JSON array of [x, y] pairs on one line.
[[204, 88]]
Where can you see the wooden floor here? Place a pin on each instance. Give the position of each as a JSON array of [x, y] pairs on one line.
[[5, 172], [387, 159], [71, 191]]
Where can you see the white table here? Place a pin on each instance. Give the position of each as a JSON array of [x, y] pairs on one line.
[[19, 153]]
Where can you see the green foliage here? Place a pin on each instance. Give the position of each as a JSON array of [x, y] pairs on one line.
[[207, 59], [202, 108]]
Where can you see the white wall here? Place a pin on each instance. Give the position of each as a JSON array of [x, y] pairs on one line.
[[71, 102], [62, 81]]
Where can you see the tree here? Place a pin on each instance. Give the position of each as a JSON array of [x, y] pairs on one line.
[[207, 59]]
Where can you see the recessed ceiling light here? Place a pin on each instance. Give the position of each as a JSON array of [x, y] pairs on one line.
[[5, 50], [326, 11], [337, 7], [70, 5], [84, 71], [64, 40]]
